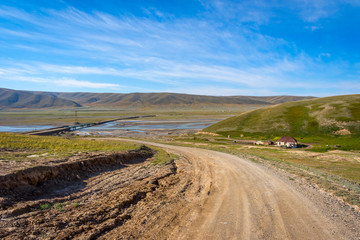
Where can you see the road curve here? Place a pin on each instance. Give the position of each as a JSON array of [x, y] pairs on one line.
[[242, 200]]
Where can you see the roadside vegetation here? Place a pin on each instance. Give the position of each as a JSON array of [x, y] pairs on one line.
[[59, 146], [162, 157], [18, 151]]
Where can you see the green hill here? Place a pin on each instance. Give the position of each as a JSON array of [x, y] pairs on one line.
[[329, 116]]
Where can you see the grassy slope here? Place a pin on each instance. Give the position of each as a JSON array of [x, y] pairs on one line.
[[316, 117], [310, 120]]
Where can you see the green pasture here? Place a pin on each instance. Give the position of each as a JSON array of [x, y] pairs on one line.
[[68, 117]]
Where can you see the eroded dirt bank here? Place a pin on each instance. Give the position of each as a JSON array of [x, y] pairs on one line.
[[109, 199], [73, 168]]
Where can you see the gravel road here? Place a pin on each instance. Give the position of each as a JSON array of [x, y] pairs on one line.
[[243, 200]]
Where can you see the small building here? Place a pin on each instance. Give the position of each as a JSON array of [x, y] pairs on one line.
[[289, 142], [266, 142]]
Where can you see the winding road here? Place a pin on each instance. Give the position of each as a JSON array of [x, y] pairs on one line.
[[239, 199]]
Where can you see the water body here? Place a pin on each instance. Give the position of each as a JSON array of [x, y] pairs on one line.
[[23, 128], [136, 125], [140, 126]]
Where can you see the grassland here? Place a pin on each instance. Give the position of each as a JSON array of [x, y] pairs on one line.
[[324, 121], [67, 117], [60, 146], [302, 118], [19, 151]]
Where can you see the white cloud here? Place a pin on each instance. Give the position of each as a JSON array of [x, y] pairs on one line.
[[51, 68], [14, 13], [84, 84], [63, 82], [312, 28], [224, 91]]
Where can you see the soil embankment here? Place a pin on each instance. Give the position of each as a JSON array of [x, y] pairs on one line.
[[117, 199], [70, 170]]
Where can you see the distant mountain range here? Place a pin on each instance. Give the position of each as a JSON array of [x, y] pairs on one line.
[[26, 99], [14, 99]]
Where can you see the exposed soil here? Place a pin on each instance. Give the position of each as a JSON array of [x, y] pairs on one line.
[[202, 195], [117, 199]]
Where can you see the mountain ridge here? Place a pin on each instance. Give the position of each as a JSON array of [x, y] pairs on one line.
[[25, 99], [36, 99]]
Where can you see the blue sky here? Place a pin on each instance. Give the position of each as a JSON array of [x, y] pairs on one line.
[[208, 47]]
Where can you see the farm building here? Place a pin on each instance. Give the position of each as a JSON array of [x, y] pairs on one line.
[[287, 141], [266, 143]]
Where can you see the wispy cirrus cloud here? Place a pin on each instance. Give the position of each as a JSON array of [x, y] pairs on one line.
[[68, 82], [111, 36], [222, 46], [169, 72], [15, 13], [85, 84], [24, 75]]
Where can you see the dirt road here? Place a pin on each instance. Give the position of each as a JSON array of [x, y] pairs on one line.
[[242, 200], [202, 195]]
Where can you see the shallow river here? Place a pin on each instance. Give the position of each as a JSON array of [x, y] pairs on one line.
[[22, 128], [135, 125]]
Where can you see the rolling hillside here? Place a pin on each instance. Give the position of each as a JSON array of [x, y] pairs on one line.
[[149, 100], [338, 115], [171, 100], [27, 99]]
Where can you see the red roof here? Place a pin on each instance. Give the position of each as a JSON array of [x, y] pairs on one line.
[[287, 139]]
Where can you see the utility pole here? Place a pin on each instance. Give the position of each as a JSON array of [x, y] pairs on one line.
[[76, 119]]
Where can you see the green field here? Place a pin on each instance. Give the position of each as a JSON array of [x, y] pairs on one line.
[[57, 146], [68, 117], [22, 151]]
